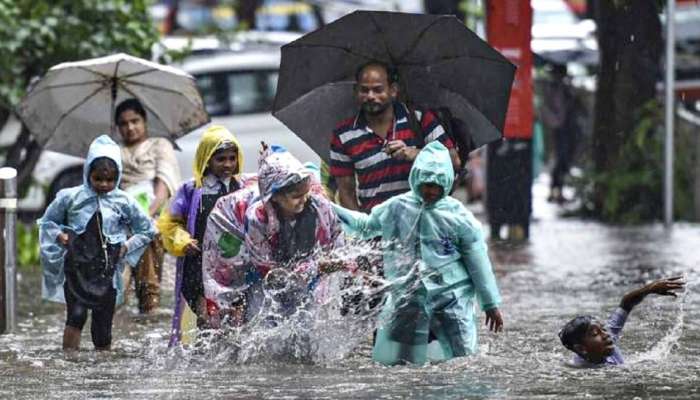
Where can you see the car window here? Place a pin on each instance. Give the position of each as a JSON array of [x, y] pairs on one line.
[[238, 92]]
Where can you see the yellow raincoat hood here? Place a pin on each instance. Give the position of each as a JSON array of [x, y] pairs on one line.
[[211, 139]]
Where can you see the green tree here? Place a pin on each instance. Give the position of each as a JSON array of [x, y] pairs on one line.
[[630, 43], [37, 34]]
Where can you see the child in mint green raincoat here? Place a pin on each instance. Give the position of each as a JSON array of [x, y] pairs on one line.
[[436, 261]]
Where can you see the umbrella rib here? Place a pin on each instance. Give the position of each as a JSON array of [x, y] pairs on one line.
[[149, 86], [300, 46], [60, 86], [419, 37], [384, 40], [157, 88], [147, 71], [101, 75], [83, 101]]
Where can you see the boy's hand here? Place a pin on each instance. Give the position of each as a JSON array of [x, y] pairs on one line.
[[63, 238], [494, 320], [665, 287], [192, 248]]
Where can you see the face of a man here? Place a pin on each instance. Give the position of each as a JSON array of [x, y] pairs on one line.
[[373, 90]]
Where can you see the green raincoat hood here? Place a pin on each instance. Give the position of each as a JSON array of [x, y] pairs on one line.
[[433, 165]]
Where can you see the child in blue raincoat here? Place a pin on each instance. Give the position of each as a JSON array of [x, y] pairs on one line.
[[436, 261], [86, 235]]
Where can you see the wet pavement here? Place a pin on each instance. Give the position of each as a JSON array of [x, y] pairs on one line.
[[569, 267]]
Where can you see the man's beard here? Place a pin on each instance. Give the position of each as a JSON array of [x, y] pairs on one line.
[[374, 108]]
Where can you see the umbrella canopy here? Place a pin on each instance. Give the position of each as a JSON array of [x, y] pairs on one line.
[[440, 62], [75, 101]]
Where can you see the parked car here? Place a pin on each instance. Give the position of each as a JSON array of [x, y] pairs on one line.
[[555, 27], [237, 84]]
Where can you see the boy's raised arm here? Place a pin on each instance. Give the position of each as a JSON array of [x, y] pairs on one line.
[[663, 287]]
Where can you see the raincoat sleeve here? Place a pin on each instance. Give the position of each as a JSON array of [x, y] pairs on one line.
[[476, 260], [52, 253], [172, 224], [173, 233], [257, 241], [224, 260], [142, 229], [359, 224]]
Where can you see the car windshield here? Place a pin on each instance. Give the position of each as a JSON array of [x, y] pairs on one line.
[[238, 92]]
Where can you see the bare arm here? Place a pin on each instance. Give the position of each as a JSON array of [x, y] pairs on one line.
[[161, 192], [347, 197], [663, 287]]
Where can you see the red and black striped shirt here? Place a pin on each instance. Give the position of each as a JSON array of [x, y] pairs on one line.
[[356, 149]]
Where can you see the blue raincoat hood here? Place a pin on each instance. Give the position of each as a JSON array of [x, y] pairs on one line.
[[433, 165], [102, 146], [123, 222]]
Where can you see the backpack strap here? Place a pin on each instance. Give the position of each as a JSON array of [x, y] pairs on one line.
[[414, 123]]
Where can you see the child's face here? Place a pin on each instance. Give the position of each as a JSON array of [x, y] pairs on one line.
[[103, 180], [597, 344], [292, 203], [224, 163], [431, 192]]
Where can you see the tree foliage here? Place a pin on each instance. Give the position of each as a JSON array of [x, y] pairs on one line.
[[38, 34], [630, 42]]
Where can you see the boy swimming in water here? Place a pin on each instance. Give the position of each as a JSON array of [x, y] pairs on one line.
[[594, 343]]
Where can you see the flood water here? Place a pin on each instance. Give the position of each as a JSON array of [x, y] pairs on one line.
[[569, 267]]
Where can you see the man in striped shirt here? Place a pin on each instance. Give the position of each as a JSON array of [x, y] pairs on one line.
[[372, 153]]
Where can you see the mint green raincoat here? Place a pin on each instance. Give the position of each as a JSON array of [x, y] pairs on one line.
[[436, 259]]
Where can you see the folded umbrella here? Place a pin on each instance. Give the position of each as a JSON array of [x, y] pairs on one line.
[[440, 62], [75, 101]]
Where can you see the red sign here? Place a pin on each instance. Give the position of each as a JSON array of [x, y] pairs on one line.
[[508, 27]]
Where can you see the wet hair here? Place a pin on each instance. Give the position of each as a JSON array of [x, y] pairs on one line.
[[104, 163], [129, 104], [391, 73], [574, 331]]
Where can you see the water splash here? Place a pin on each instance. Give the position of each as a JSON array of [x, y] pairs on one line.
[[663, 348], [293, 319]]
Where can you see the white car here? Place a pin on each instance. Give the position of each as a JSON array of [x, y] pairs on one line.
[[238, 87], [555, 28]]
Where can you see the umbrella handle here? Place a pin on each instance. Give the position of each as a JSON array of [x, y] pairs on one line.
[[113, 88]]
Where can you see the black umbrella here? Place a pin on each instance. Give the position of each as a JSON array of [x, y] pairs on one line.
[[441, 64]]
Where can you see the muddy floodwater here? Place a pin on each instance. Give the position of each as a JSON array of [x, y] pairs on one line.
[[569, 267]]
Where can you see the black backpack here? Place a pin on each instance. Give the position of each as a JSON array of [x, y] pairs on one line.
[[454, 129]]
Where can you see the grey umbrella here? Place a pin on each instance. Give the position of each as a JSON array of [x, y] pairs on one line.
[[441, 64], [75, 101]]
